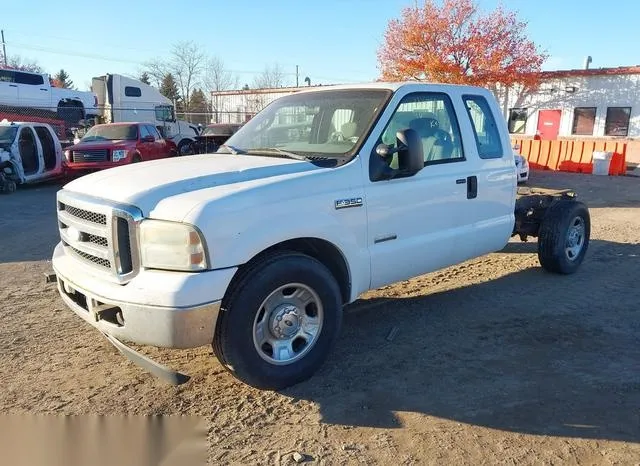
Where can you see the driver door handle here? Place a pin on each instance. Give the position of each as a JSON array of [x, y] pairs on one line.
[[472, 187]]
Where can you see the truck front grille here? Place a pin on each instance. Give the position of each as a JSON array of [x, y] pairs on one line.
[[100, 234], [90, 155]]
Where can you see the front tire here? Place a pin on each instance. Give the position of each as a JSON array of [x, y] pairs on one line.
[[184, 148], [564, 237], [279, 321]]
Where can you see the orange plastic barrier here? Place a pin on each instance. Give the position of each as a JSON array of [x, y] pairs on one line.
[[571, 155]]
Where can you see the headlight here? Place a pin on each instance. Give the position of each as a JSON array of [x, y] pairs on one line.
[[118, 155], [171, 246], [67, 155]]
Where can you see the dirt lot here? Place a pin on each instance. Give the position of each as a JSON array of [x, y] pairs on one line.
[[495, 361]]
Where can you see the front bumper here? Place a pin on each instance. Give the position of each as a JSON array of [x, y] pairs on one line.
[[165, 309]]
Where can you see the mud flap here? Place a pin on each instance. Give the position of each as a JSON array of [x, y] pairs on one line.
[[162, 372]]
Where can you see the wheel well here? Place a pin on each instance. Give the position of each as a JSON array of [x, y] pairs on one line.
[[70, 103], [325, 252]]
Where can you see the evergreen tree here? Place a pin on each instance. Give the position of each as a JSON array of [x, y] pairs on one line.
[[62, 80], [145, 78], [169, 88], [198, 107]]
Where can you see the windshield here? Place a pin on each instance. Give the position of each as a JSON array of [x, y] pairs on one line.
[[329, 123], [8, 134], [111, 133]]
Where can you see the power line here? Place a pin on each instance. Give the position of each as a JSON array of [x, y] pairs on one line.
[[142, 64]]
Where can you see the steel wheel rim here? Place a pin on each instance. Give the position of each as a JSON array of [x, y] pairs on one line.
[[287, 324], [574, 241]]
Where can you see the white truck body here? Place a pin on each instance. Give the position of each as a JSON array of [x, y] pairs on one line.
[[124, 99], [33, 150], [24, 89], [367, 230]]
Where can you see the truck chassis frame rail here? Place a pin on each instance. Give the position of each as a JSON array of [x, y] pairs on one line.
[[532, 205]]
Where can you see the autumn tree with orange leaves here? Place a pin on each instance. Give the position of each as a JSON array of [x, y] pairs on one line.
[[456, 43]]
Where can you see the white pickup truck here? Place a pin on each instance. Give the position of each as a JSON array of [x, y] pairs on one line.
[[28, 90], [323, 195]]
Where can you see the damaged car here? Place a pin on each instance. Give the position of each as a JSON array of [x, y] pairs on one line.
[[29, 153]]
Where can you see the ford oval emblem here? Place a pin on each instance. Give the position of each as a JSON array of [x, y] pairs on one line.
[[74, 234]]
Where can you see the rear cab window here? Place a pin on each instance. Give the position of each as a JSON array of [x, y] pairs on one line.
[[29, 78], [484, 127]]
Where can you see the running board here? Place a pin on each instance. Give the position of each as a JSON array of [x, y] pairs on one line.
[[162, 372]]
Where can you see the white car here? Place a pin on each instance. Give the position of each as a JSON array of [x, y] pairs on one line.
[[523, 167]]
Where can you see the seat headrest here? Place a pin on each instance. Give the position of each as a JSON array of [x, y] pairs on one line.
[[424, 126], [348, 130]]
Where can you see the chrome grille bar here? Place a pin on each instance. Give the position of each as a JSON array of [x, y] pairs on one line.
[[101, 234]]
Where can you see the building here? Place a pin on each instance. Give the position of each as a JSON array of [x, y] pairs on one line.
[[239, 106], [585, 103]]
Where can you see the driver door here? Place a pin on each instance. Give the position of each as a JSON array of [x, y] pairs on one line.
[[412, 221]]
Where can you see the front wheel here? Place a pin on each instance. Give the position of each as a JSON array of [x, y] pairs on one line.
[[564, 237], [185, 147], [279, 321]]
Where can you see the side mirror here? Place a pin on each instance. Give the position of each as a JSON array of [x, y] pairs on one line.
[[148, 139], [410, 157], [410, 153]]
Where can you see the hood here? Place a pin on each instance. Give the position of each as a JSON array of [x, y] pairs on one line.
[[146, 184], [115, 144]]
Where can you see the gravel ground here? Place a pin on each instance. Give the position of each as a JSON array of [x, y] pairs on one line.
[[494, 361]]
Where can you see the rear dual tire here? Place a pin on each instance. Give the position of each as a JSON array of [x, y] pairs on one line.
[[564, 236]]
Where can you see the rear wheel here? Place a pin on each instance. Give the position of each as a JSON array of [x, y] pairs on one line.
[[279, 321], [564, 237], [136, 158]]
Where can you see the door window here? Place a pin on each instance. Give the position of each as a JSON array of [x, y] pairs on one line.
[[154, 132], [484, 127], [432, 116], [144, 132], [7, 76]]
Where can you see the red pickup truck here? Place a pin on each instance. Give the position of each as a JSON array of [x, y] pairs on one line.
[[114, 144]]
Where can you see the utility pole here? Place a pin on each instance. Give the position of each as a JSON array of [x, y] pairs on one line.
[[4, 48], [297, 75]]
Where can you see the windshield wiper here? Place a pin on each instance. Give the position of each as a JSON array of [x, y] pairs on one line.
[[232, 149], [291, 155]]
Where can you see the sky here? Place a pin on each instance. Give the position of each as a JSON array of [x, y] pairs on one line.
[[332, 41]]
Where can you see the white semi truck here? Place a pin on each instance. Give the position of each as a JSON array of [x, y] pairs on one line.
[[124, 99]]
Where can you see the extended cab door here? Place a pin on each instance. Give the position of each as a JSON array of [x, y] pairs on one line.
[[487, 219], [413, 221]]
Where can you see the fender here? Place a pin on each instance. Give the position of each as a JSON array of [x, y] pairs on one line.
[[235, 238]]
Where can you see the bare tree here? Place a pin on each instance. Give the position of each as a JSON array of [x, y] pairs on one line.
[[272, 76], [186, 63], [156, 69], [217, 78], [18, 63]]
